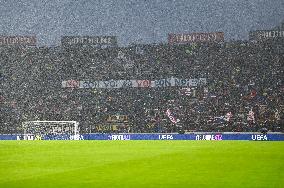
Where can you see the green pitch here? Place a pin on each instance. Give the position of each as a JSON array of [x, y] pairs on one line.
[[135, 164]]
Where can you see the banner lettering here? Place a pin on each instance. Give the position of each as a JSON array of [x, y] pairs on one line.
[[166, 82], [265, 35], [195, 37], [18, 40], [89, 40]]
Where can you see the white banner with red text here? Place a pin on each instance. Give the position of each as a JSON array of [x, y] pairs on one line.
[[111, 84]]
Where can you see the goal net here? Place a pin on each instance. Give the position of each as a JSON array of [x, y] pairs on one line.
[[50, 130]]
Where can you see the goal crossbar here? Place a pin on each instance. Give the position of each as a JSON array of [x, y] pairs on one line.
[[51, 122]]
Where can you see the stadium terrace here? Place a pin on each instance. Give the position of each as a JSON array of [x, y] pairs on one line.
[[197, 82]]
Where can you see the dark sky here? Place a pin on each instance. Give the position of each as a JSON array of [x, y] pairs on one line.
[[144, 21]]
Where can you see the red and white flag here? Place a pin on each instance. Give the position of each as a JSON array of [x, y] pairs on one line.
[[171, 117]]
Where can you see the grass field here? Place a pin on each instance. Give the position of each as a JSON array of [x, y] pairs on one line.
[[134, 164]]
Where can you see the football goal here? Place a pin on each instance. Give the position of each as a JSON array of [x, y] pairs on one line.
[[50, 130]]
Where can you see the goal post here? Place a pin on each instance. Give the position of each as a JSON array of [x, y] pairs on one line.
[[50, 130]]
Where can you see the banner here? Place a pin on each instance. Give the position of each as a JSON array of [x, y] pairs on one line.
[[112, 84], [195, 37], [18, 40], [89, 40], [265, 35], [117, 118]]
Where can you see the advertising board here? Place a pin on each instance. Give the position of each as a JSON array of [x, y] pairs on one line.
[[154, 136]]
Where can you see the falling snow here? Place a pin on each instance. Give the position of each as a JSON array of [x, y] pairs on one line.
[[110, 66]]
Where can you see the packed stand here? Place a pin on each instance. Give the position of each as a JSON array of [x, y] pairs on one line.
[[243, 90]]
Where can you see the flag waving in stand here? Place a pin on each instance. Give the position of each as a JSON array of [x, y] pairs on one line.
[[171, 117]]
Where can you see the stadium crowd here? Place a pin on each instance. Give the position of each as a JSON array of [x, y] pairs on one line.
[[243, 89]]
